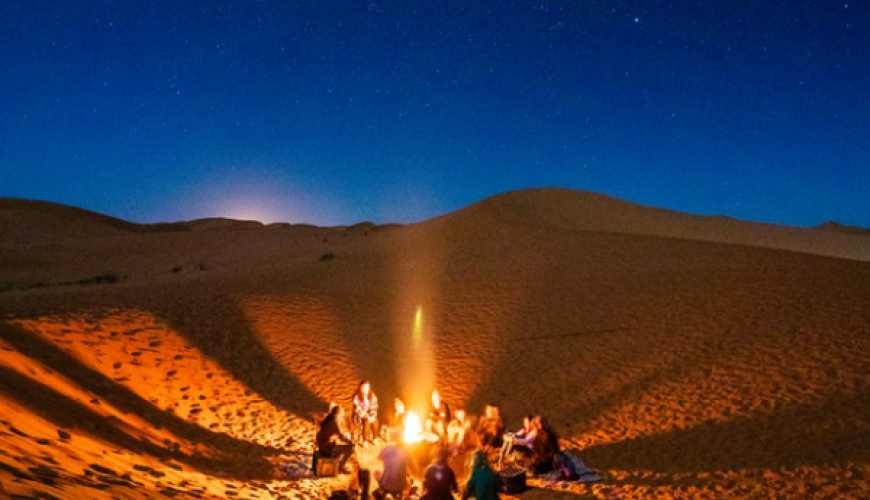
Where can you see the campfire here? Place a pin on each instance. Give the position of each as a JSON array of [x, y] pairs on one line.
[[413, 429], [414, 432]]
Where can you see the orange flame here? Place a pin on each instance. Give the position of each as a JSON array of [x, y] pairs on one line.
[[413, 428]]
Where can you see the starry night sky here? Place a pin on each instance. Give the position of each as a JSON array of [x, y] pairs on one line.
[[341, 111]]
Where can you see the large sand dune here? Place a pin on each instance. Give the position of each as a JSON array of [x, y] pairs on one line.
[[685, 356]]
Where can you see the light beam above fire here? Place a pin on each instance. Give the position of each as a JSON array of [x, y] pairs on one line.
[[417, 372]]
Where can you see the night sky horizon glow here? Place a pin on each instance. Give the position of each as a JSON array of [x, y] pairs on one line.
[[338, 112]]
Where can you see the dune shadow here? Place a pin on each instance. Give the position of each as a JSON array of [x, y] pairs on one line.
[[68, 413], [212, 321], [568, 389], [65, 412], [824, 433], [220, 330]]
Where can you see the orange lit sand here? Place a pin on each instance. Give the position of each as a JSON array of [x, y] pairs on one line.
[[680, 366]]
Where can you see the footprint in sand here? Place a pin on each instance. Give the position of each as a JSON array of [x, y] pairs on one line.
[[45, 475], [19, 432]]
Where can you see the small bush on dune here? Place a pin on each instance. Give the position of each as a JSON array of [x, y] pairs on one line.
[[100, 279]]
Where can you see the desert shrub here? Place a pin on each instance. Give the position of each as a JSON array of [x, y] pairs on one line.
[[101, 279]]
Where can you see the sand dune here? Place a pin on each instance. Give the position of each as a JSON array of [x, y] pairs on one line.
[[685, 356], [584, 211]]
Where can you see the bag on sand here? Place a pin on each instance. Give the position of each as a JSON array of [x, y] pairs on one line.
[[563, 464], [570, 467]]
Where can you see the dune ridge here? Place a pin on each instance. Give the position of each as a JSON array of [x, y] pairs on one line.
[[682, 362], [587, 211]]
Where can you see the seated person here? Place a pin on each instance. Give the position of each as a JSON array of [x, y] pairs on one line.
[[459, 434], [393, 479], [395, 428], [331, 442], [439, 415], [544, 447], [439, 481], [490, 428], [365, 412], [484, 483], [520, 441]]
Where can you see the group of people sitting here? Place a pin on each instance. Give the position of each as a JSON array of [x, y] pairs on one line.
[[331, 441], [439, 479], [533, 445]]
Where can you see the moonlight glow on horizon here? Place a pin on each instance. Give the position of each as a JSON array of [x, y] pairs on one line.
[[253, 193]]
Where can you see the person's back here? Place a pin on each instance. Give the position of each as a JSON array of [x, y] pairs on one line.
[[397, 460], [439, 482], [484, 483]]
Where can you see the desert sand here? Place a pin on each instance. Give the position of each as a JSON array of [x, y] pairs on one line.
[[682, 356]]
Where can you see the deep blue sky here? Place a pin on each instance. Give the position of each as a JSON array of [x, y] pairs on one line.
[[339, 111]]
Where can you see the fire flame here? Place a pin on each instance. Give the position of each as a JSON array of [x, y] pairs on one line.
[[413, 429]]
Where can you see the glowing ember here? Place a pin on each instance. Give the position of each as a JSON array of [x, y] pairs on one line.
[[413, 429]]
